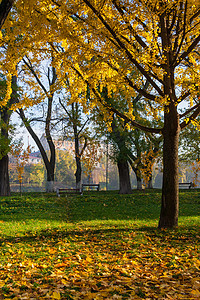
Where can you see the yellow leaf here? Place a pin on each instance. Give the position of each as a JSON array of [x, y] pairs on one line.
[[56, 295], [52, 251], [65, 282], [196, 285], [44, 266], [195, 293], [88, 259]]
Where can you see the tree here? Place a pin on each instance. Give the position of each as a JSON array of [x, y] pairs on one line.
[[5, 114], [36, 173], [75, 128], [133, 147], [91, 157], [43, 88], [189, 143], [21, 156], [5, 7], [158, 38], [190, 150], [65, 168], [4, 149]]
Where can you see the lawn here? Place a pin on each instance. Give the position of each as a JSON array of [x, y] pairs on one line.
[[98, 246]]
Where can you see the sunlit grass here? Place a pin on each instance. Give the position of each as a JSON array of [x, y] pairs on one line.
[[37, 211]]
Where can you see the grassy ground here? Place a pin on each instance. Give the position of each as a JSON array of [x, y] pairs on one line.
[[98, 246]]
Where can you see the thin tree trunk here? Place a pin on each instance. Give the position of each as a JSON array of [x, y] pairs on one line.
[[4, 177], [52, 161], [78, 153], [78, 172], [124, 177], [150, 183], [170, 192]]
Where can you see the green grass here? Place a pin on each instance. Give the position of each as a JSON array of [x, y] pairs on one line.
[[97, 246], [37, 211]]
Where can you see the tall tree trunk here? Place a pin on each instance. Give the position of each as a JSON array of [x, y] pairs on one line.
[[52, 161], [5, 8], [150, 183], [139, 182], [78, 152], [170, 192], [4, 177], [50, 180], [137, 172], [124, 176], [78, 172]]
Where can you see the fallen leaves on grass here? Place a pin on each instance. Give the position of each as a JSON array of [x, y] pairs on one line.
[[101, 264]]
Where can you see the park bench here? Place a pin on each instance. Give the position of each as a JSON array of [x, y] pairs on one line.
[[185, 185], [91, 187], [68, 191]]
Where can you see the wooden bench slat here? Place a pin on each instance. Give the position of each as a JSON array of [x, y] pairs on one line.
[[97, 186], [68, 191], [186, 184]]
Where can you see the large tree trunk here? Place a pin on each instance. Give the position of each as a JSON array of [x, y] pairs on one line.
[[4, 177], [170, 192], [5, 7], [124, 177], [50, 180]]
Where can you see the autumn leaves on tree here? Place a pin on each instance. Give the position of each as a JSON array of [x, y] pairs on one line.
[[101, 44]]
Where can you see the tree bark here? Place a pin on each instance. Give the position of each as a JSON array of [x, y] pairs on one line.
[[78, 151], [51, 166], [150, 183], [4, 174], [78, 172], [4, 177], [170, 191], [124, 177], [5, 8], [139, 182]]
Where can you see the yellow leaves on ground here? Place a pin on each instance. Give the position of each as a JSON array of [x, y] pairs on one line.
[[56, 295], [101, 264]]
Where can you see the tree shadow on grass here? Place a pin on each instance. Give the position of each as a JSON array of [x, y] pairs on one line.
[[182, 237], [100, 206]]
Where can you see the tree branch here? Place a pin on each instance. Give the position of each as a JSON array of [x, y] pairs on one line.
[[188, 111], [183, 34], [30, 67], [112, 109], [122, 47], [190, 48], [191, 118]]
